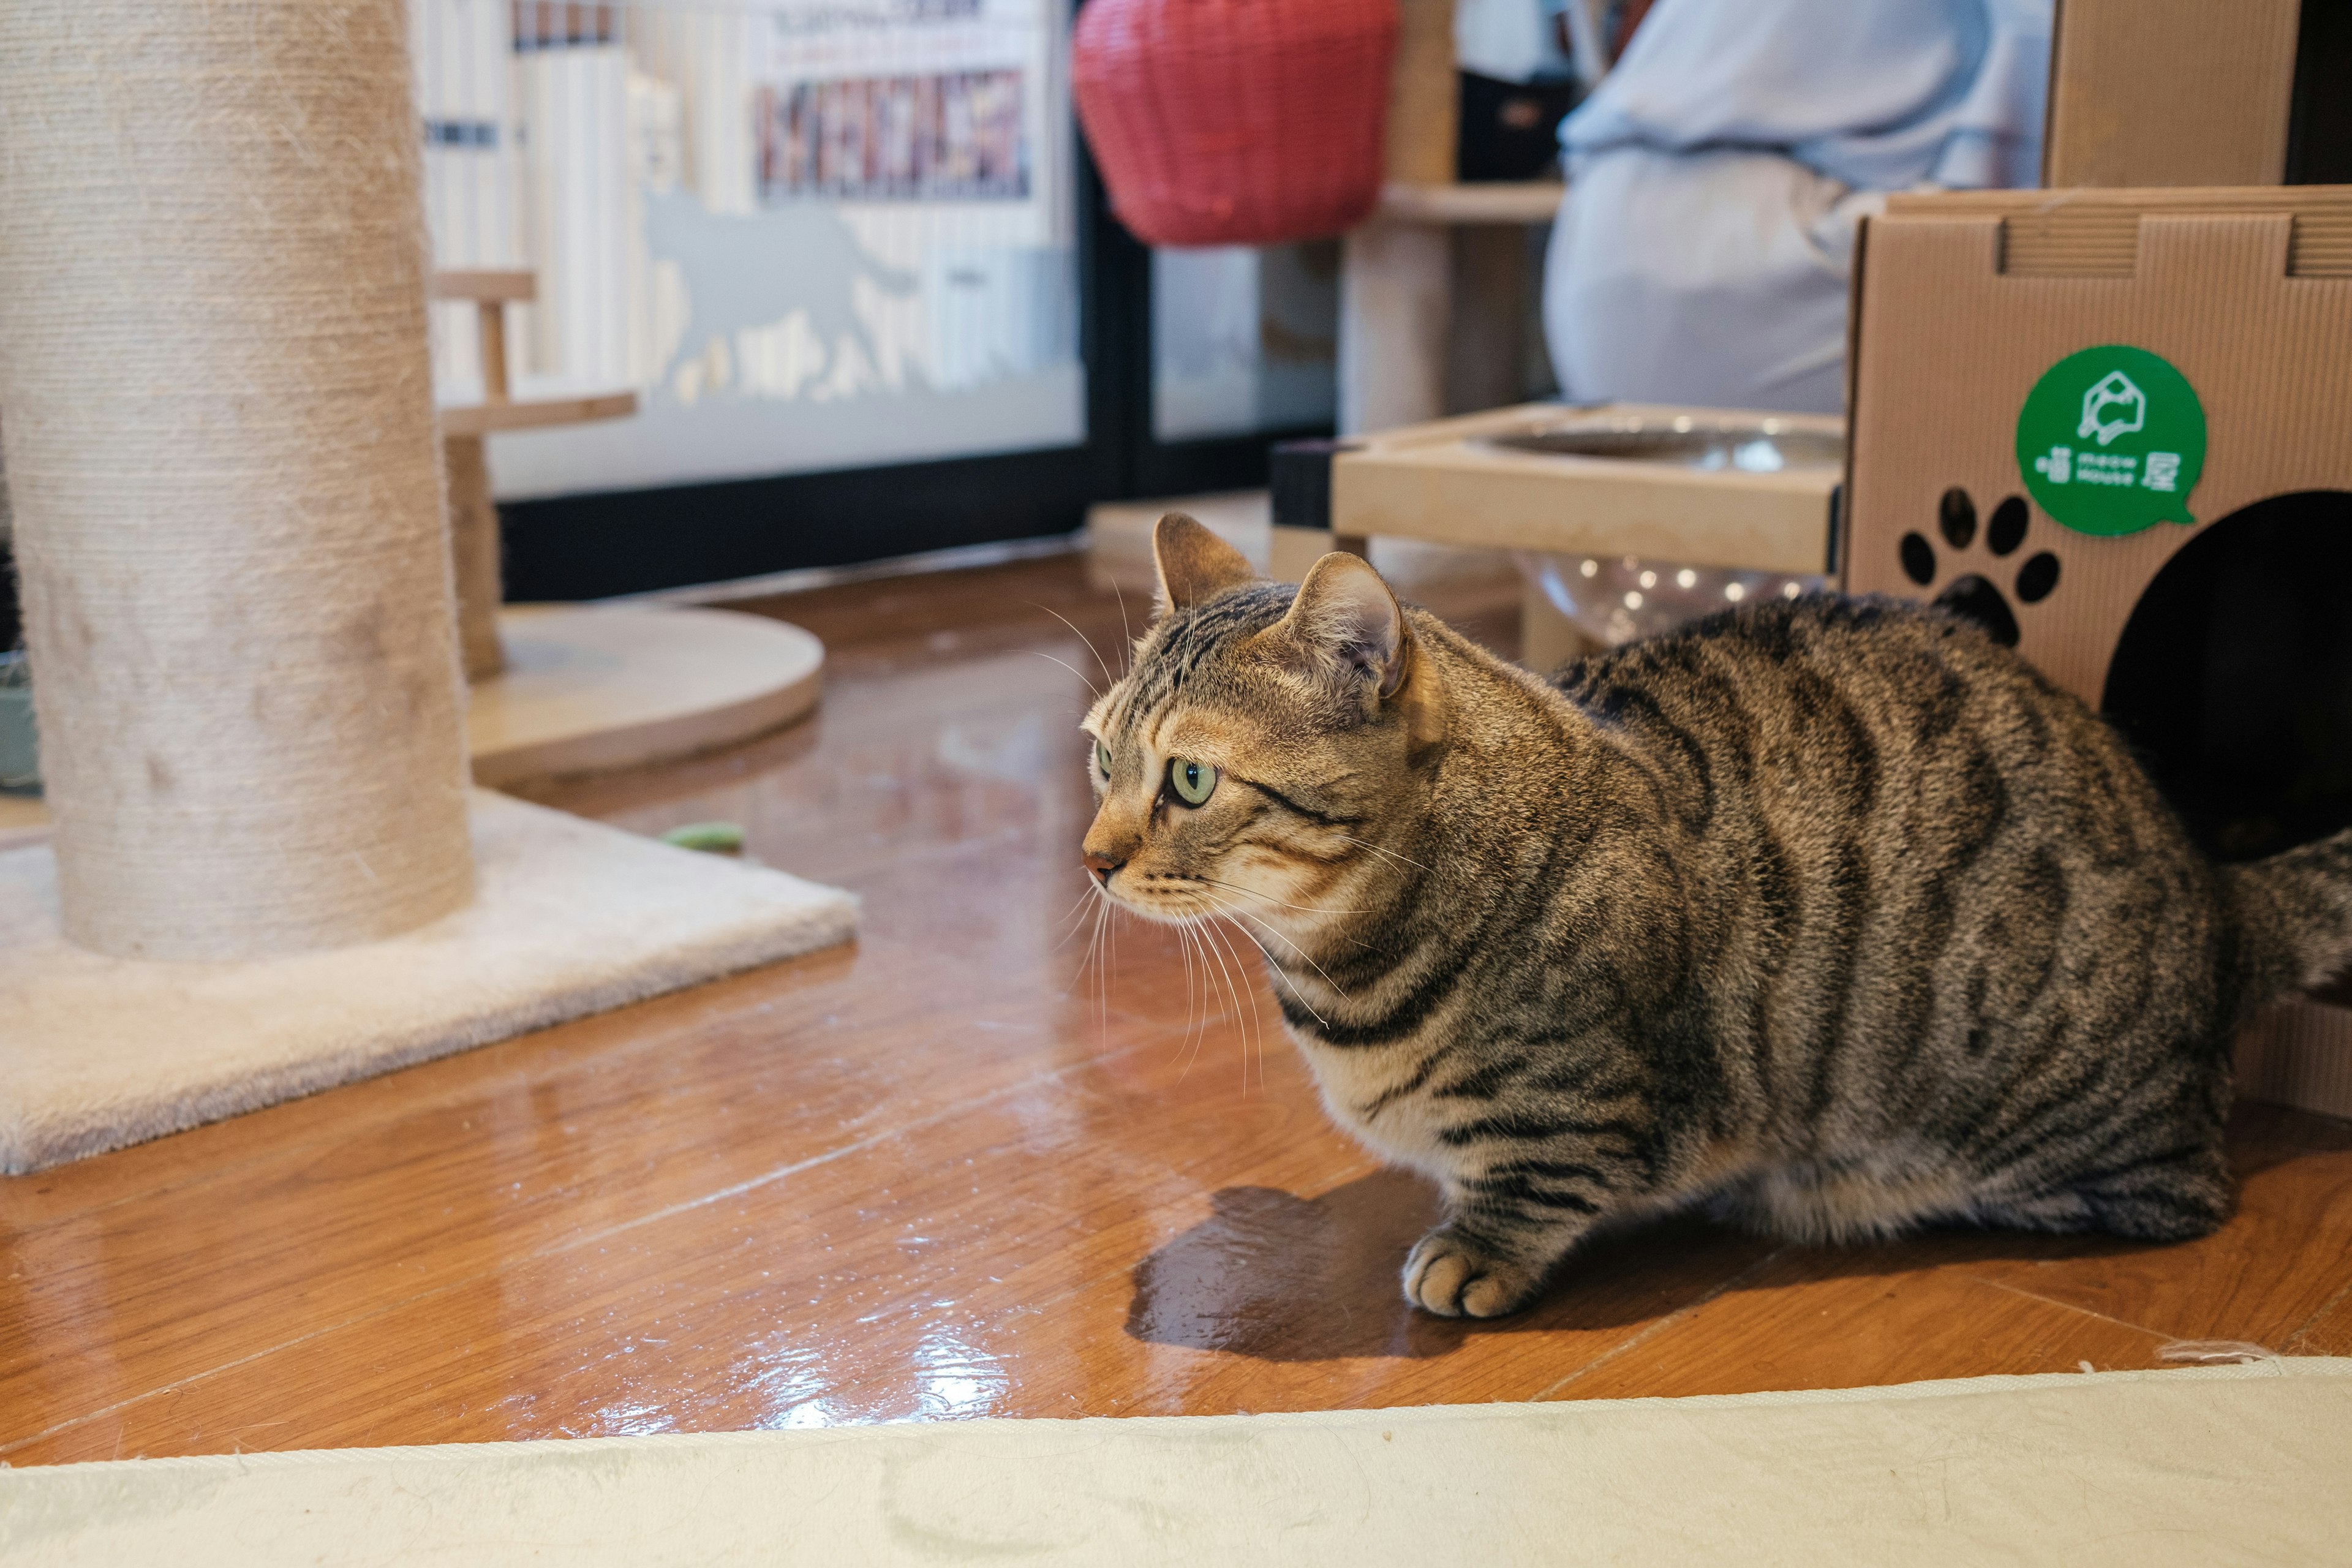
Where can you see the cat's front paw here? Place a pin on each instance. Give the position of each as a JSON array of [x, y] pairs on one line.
[[1455, 1277]]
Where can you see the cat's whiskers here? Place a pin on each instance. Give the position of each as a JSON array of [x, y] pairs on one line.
[[1252, 892], [1099, 660], [1257, 1020], [1075, 916], [1102, 968], [1233, 990], [1221, 908], [1094, 945], [1389, 853], [1235, 984], [1210, 1012], [1188, 933], [1114, 964], [1073, 669], [1236, 977], [1238, 915], [1184, 950], [1200, 907], [1105, 948], [1127, 632]]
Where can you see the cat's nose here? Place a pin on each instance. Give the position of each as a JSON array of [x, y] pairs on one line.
[[1102, 865]]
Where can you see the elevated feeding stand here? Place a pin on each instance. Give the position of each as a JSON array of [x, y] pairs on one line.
[[567, 689]]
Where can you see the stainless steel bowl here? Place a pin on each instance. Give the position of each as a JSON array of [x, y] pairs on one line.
[[1764, 447]]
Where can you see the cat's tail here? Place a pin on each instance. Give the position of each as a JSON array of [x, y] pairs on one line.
[[2295, 918]]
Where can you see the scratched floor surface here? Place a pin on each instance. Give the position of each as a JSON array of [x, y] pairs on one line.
[[942, 1173]]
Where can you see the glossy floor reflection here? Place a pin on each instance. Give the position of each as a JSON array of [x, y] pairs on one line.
[[943, 1174]]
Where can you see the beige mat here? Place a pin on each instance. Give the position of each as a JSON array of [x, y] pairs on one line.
[[2210, 1466], [572, 918]]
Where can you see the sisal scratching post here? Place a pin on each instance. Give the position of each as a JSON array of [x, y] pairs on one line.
[[237, 582], [221, 449]]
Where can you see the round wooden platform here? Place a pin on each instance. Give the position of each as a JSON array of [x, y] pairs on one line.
[[590, 687]]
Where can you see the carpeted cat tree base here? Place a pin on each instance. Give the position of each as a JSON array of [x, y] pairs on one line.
[[571, 918]]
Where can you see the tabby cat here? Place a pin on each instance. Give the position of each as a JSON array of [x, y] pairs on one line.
[[1829, 912]]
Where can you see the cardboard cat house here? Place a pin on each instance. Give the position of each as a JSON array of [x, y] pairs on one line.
[[2115, 427]]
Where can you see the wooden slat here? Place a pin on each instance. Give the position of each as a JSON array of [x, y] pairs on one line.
[[486, 418], [491, 324], [1502, 202], [2331, 1335], [1823, 1318], [486, 285], [1424, 114]]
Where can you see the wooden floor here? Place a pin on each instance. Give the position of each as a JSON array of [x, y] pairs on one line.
[[941, 1175]]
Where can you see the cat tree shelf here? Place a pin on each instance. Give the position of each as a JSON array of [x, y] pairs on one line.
[[540, 414], [596, 688], [571, 689], [1521, 202]]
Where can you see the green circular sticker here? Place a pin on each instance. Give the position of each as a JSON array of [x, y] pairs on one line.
[[2111, 440]]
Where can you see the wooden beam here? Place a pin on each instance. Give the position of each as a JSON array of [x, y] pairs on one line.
[[1524, 203], [487, 284], [489, 417], [493, 316]]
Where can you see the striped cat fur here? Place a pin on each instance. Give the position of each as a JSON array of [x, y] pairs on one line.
[[1831, 915]]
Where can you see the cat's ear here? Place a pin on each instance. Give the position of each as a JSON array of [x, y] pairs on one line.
[[1195, 565], [1345, 625], [1346, 619]]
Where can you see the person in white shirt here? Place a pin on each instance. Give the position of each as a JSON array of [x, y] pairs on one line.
[[1716, 175]]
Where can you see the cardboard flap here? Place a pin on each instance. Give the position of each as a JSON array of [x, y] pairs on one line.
[[2219, 255]]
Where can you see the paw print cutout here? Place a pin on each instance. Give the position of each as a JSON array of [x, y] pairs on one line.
[[1974, 594]]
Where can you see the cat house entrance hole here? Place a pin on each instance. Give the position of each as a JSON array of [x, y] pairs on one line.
[[2232, 678]]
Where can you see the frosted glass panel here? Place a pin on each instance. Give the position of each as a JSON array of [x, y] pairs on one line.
[[1244, 339], [810, 234]]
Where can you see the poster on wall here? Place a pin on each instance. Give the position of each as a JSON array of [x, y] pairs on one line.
[[810, 234]]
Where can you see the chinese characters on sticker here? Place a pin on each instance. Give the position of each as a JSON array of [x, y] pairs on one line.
[[2112, 440]]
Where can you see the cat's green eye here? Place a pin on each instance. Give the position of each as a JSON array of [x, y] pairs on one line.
[[1102, 760], [1193, 781]]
